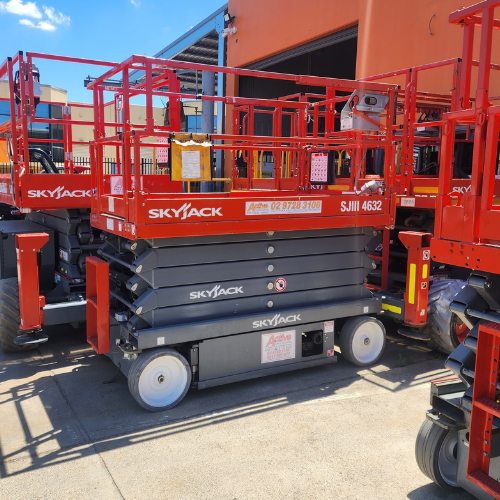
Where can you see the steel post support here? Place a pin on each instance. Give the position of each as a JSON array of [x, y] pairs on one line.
[[30, 300], [417, 280], [98, 304]]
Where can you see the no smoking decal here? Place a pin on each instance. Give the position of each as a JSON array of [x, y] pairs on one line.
[[280, 284]]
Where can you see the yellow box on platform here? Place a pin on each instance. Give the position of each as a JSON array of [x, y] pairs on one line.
[[191, 157]]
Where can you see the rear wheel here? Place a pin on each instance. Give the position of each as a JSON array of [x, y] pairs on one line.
[[159, 379], [9, 316], [444, 328], [436, 454], [362, 340]]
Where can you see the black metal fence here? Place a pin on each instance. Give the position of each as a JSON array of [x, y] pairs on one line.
[[147, 166]]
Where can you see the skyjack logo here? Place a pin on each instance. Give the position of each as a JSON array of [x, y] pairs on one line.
[[58, 192], [462, 190], [276, 320], [185, 212], [216, 291]]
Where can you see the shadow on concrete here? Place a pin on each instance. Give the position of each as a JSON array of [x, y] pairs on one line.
[[435, 492], [55, 408]]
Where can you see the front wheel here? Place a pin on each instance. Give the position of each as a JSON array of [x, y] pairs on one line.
[[159, 379], [362, 340], [436, 455]]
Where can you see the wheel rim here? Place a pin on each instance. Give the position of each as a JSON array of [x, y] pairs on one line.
[[447, 460], [162, 381], [461, 331], [368, 342], [458, 330]]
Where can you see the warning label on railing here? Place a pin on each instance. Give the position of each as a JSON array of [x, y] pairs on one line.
[[282, 207]]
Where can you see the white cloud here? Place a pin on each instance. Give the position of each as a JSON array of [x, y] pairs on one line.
[[29, 9], [58, 18], [135, 2], [41, 25]]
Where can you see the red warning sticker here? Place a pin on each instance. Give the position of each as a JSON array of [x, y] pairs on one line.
[[330, 353], [280, 284]]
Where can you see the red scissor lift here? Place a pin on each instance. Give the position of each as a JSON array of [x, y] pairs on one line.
[[458, 446], [47, 288], [220, 286]]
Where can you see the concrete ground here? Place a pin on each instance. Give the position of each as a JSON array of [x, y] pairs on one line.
[[335, 431]]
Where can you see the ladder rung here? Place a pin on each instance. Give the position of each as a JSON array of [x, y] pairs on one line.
[[486, 482], [488, 405]]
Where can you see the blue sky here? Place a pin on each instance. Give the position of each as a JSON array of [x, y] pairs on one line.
[[110, 30]]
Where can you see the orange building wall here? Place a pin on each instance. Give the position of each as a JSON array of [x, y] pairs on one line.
[[392, 34]]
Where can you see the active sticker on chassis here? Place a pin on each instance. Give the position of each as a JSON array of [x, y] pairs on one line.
[[282, 207], [278, 346]]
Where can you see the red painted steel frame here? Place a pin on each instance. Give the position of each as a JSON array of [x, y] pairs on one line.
[[466, 228], [149, 207], [417, 281], [30, 300], [484, 408], [32, 191], [98, 304]]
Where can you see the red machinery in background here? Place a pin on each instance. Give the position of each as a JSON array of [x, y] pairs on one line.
[[46, 234], [458, 445], [424, 306]]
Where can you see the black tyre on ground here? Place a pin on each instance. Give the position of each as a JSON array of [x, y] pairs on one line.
[[159, 379], [436, 454], [443, 326], [362, 340], [9, 316]]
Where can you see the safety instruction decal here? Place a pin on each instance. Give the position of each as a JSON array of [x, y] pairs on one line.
[[278, 346], [280, 284], [407, 202], [319, 167], [282, 207], [191, 164], [328, 327]]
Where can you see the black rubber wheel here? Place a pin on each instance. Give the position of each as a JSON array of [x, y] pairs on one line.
[[159, 379], [9, 316], [362, 340], [440, 326], [436, 454]]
